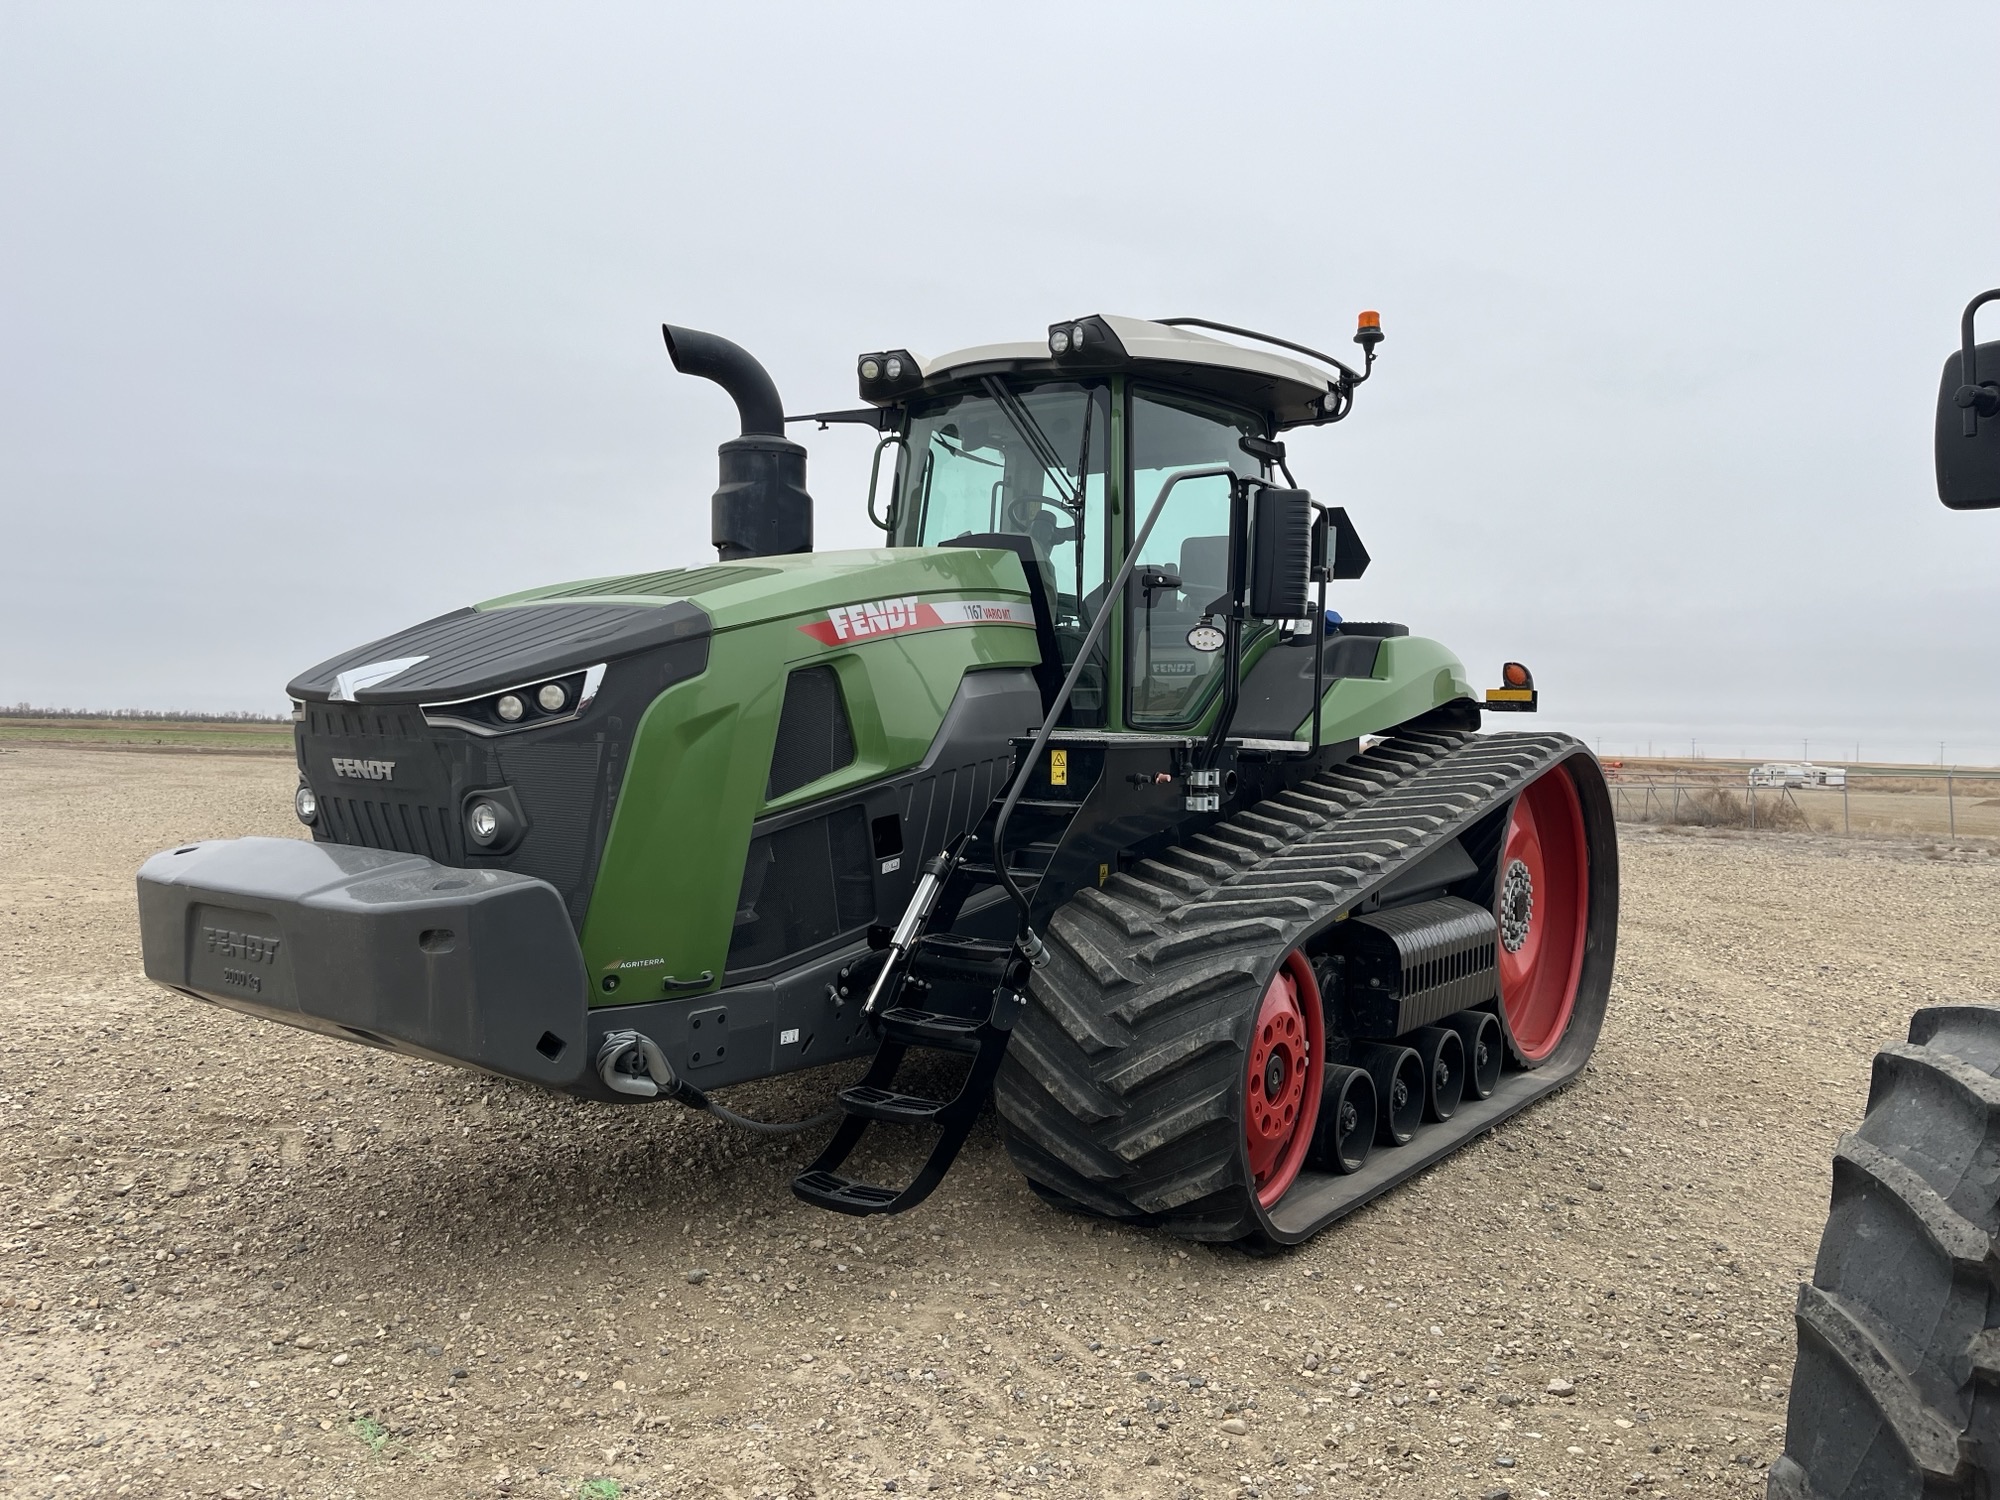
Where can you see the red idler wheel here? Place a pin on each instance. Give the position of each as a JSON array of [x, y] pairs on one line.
[[1286, 1074], [1542, 904]]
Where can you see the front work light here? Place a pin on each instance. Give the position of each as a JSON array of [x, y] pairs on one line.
[[483, 823], [888, 374], [1091, 340], [306, 804]]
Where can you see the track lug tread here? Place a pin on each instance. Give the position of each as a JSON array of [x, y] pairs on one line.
[[1171, 876], [1237, 856], [1078, 1096], [1196, 940], [1103, 966], [1129, 919]]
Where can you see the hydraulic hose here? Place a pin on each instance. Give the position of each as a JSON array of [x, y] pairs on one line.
[[773, 1127]]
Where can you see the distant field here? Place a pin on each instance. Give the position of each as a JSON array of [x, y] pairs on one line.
[[150, 734]]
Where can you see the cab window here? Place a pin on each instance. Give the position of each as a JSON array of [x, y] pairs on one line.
[[1170, 681]]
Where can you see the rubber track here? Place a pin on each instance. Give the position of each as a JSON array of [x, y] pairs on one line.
[[1119, 1091], [1894, 1392]]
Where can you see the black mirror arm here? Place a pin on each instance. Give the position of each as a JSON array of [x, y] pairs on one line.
[[1975, 398], [1322, 569]]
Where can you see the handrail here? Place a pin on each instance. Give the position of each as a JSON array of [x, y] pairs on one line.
[[1031, 946], [874, 469]]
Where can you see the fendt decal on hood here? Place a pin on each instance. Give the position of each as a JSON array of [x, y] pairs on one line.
[[363, 770], [848, 622]]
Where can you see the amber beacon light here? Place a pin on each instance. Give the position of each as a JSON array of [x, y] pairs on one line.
[[1517, 692]]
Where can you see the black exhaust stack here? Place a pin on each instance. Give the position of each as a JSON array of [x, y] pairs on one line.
[[761, 508]]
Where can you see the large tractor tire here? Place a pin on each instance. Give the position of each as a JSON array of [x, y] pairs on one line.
[[1896, 1393], [1169, 1065]]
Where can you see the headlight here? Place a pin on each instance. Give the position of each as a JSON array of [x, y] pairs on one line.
[[871, 369], [894, 368], [483, 822], [1059, 341], [306, 805], [523, 708]]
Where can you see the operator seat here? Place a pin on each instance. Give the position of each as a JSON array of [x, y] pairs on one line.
[[1204, 571]]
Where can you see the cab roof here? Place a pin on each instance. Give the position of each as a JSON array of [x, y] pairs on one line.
[[1286, 390]]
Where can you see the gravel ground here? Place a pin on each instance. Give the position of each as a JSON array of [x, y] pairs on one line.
[[242, 1261]]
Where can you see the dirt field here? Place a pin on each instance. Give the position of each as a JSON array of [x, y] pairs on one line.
[[205, 736], [240, 1261]]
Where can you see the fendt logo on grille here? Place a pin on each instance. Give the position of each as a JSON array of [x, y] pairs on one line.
[[364, 770]]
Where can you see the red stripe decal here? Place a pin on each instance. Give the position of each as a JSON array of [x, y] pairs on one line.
[[855, 622]]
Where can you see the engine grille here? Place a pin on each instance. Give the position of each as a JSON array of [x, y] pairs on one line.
[[386, 779], [404, 827]]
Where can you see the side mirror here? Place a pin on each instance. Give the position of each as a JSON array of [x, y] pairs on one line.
[[1968, 420], [1281, 555], [1350, 558]]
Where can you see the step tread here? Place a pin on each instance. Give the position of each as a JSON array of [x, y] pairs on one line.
[[843, 1194], [889, 1106], [929, 1029]]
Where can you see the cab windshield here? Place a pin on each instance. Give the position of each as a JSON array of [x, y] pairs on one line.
[[1026, 461]]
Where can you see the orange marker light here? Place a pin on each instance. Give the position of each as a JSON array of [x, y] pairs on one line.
[[1515, 675]]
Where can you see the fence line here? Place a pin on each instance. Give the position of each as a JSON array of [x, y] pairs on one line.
[[1886, 802]]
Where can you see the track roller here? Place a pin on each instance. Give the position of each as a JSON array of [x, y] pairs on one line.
[[1444, 1070], [1346, 1127], [1479, 1031], [1398, 1073]]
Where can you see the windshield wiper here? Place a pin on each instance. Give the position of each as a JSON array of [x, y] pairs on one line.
[[1038, 442]]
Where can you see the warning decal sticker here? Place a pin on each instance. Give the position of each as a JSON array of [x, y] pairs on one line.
[[852, 622]]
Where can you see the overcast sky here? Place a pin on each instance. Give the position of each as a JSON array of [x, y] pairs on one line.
[[316, 321]]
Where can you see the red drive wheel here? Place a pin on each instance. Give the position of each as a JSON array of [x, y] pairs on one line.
[[1542, 903], [1287, 1071]]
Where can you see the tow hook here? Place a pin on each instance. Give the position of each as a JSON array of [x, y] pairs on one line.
[[630, 1062]]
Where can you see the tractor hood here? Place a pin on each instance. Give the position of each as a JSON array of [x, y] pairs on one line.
[[836, 597]]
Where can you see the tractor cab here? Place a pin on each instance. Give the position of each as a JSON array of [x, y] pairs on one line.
[[1057, 450]]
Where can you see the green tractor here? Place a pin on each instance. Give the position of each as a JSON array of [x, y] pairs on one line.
[[1076, 778]]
